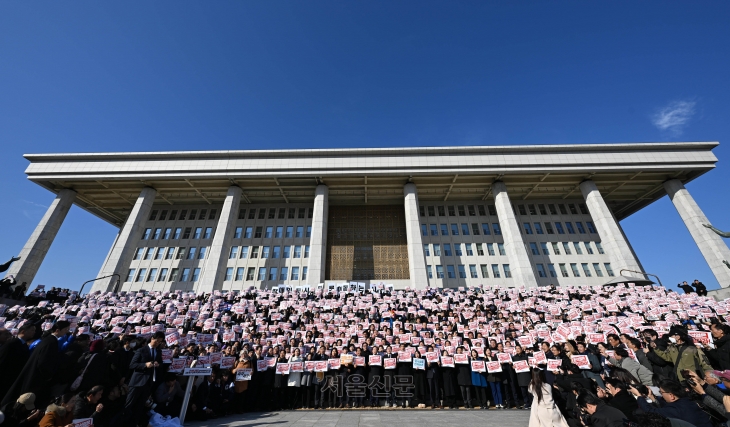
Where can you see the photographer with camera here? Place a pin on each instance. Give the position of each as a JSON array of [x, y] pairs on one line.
[[711, 396], [599, 414], [622, 360], [720, 355], [673, 403], [681, 352]]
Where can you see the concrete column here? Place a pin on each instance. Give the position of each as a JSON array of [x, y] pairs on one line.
[[416, 257], [519, 260], [612, 237], [318, 241], [36, 248], [122, 251], [711, 245], [214, 271]]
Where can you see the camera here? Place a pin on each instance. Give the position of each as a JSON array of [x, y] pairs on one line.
[[150, 404]]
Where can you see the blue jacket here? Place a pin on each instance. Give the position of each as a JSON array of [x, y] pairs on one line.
[[478, 379], [683, 409]]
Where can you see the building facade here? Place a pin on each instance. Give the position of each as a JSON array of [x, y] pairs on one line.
[[438, 217]]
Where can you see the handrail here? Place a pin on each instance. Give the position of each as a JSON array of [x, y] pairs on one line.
[[621, 273]]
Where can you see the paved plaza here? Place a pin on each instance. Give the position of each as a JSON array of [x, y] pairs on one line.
[[373, 418]]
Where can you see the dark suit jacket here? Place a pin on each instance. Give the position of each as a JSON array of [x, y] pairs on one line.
[[13, 357], [38, 372], [625, 403], [142, 375]]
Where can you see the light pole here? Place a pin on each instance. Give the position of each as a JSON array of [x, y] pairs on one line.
[[104, 277]]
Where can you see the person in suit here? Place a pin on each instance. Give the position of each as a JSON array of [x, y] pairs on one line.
[[37, 374], [146, 368], [14, 355]]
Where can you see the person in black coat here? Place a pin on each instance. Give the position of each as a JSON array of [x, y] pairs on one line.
[[404, 369], [433, 377], [686, 288], [121, 358], [96, 367], [700, 288], [37, 374], [448, 380], [202, 408], [13, 356], [147, 373], [601, 415], [463, 378], [389, 374], [720, 355], [375, 374], [621, 399], [523, 378], [419, 381]]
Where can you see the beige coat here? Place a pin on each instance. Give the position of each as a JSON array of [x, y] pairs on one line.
[[545, 413]]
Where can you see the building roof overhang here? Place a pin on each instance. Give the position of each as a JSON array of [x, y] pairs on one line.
[[629, 176]]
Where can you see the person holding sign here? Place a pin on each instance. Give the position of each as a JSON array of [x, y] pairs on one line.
[[479, 380], [280, 384], [448, 379], [331, 381], [494, 379], [375, 371], [307, 381], [240, 386], [463, 377], [405, 369], [419, 380], [433, 377], [522, 369], [294, 381]]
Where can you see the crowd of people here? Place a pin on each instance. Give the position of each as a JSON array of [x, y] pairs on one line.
[[600, 356]]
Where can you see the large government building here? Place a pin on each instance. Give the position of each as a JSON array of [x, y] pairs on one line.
[[437, 216]]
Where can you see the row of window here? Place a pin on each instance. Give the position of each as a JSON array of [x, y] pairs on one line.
[[527, 228], [272, 213], [461, 209], [533, 209], [536, 250], [574, 268], [183, 214], [183, 274], [451, 273], [171, 252], [576, 246], [150, 275], [465, 230], [270, 231], [484, 228], [268, 252], [265, 273], [543, 209], [467, 248], [184, 233]]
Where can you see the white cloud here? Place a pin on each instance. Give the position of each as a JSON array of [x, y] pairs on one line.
[[674, 117], [35, 204]]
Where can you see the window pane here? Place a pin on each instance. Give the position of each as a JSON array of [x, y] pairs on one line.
[[485, 271]]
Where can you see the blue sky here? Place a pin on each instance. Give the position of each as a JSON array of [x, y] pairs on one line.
[[124, 76]]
